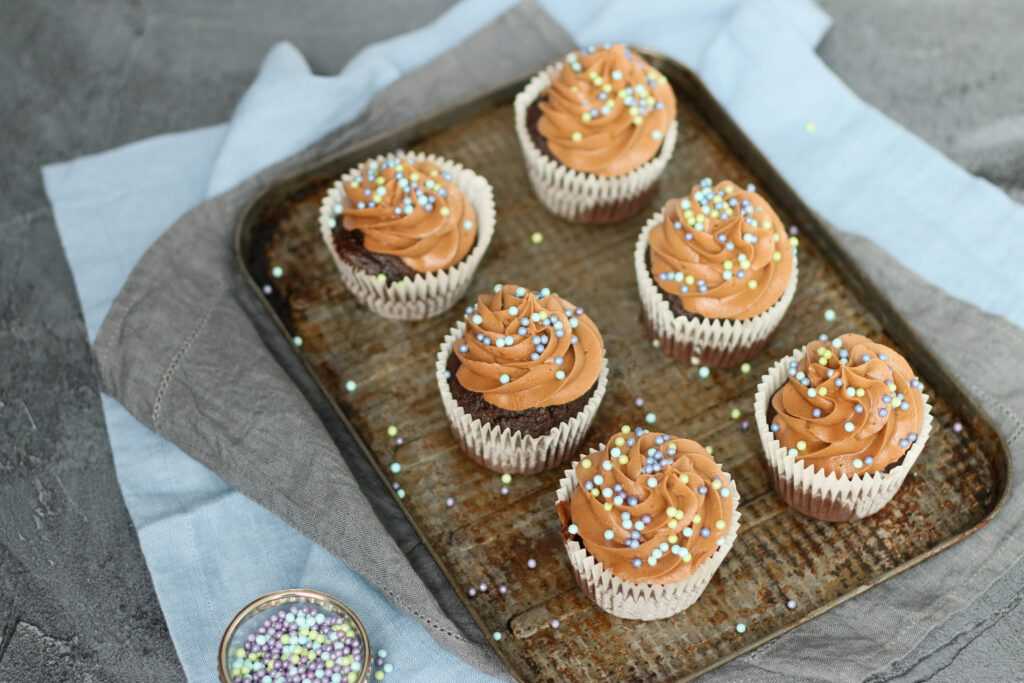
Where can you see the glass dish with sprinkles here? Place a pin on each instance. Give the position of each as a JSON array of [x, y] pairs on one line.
[[295, 635]]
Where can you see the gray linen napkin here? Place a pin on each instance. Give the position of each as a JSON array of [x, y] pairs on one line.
[[190, 352]]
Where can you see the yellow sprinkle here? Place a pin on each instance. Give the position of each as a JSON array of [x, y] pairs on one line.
[[696, 519], [353, 184], [585, 116], [685, 478], [720, 524], [822, 390], [680, 514], [607, 87], [633, 111], [709, 449], [823, 361], [727, 264], [729, 189], [608, 506], [619, 441], [810, 127], [860, 392], [596, 492], [714, 213], [745, 368], [672, 539], [672, 524], [685, 557], [626, 429], [752, 284], [892, 386], [689, 279], [577, 136], [777, 237], [794, 241], [670, 511], [801, 445], [766, 224], [414, 177], [585, 463], [445, 211], [380, 180], [637, 120], [434, 173], [777, 256], [735, 413], [623, 459]]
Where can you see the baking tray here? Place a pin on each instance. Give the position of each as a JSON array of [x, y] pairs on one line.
[[959, 483]]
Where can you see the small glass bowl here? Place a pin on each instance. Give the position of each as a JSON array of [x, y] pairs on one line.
[[251, 617]]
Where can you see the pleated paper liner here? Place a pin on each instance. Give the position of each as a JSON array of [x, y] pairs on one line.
[[702, 341], [828, 497], [585, 197], [427, 294], [505, 450], [642, 601]]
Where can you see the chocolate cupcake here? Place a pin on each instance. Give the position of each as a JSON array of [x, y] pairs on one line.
[[597, 130], [841, 422], [407, 232], [647, 519], [716, 273], [521, 379]]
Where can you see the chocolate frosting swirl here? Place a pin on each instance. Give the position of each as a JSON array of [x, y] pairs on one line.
[[649, 507], [606, 112], [412, 210], [722, 251], [865, 412], [523, 350]]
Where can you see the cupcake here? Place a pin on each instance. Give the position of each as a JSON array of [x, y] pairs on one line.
[[716, 274], [841, 422], [521, 379], [407, 232], [597, 129], [646, 520]]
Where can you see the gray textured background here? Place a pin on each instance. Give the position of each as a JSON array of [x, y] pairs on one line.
[[76, 602]]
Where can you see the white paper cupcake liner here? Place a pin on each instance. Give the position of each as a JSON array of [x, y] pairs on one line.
[[828, 497], [566, 192], [501, 449], [427, 294], [642, 601], [704, 341]]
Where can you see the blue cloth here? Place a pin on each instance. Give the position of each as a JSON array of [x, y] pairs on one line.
[[210, 549]]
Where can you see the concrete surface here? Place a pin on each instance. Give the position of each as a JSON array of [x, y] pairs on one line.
[[76, 601]]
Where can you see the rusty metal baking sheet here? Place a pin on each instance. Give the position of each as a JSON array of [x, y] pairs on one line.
[[487, 536]]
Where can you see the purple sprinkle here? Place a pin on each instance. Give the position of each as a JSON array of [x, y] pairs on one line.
[[449, 501], [503, 589], [792, 230], [504, 490], [483, 587], [395, 485], [471, 592], [958, 426], [639, 401], [267, 289], [791, 604], [531, 563], [399, 441], [555, 623], [745, 425]]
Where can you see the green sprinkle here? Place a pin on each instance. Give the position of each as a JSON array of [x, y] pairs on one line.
[[650, 418], [350, 386], [741, 627], [401, 493], [297, 340], [704, 372], [277, 271], [830, 315], [497, 635], [395, 467]]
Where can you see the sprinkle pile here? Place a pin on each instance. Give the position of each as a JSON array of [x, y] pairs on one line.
[[299, 644]]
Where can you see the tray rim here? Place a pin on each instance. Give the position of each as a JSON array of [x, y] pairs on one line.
[[737, 141]]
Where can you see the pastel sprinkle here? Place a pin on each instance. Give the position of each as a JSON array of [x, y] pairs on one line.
[[741, 627], [449, 501], [350, 386], [704, 372], [555, 623], [395, 467], [392, 431], [791, 604], [537, 237], [506, 478], [745, 368], [297, 340], [277, 271], [958, 426], [830, 315], [650, 418], [735, 413], [496, 635], [531, 563]]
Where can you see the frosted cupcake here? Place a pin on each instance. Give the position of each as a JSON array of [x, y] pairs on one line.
[[842, 422], [647, 519], [521, 379], [597, 130], [716, 273], [407, 232]]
